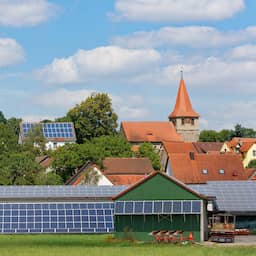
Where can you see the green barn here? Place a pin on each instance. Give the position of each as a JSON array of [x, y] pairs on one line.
[[159, 202]]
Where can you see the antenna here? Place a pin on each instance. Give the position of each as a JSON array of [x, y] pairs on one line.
[[181, 73]]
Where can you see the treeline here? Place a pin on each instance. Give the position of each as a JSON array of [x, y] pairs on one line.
[[226, 135], [96, 125]]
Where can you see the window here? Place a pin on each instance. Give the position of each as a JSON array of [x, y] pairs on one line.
[[221, 171], [204, 171], [182, 121], [193, 121], [254, 152]]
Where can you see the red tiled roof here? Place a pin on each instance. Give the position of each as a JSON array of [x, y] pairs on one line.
[[150, 131], [246, 146], [206, 147], [179, 147], [124, 179], [232, 143], [251, 173], [183, 106], [191, 171], [116, 166], [173, 179], [197, 147]]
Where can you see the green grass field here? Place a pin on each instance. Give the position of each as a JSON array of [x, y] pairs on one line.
[[101, 245]]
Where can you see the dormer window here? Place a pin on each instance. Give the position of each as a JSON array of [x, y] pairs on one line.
[[221, 171], [205, 171]]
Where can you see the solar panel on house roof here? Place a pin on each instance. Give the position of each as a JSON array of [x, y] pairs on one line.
[[51, 217], [231, 196], [157, 207], [52, 130], [59, 191]]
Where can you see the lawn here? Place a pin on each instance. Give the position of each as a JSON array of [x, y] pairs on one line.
[[100, 245]]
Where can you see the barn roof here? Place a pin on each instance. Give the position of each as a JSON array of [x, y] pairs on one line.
[[231, 196]]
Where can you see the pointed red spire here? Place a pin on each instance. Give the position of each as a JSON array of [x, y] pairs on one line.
[[183, 106]]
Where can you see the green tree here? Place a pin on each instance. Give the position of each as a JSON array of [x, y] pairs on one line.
[[252, 164], [19, 169], [2, 118], [93, 117], [66, 160], [241, 131], [223, 135], [208, 136], [147, 150], [50, 178], [14, 124], [35, 139], [69, 158], [8, 139]]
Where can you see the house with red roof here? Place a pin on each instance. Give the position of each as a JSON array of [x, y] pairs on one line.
[[115, 171], [245, 147], [193, 168]]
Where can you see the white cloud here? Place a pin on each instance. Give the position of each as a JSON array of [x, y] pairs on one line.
[[232, 113], [247, 51], [130, 107], [37, 118], [10, 52], [63, 98], [173, 10], [127, 107], [18, 13], [102, 62], [190, 36]]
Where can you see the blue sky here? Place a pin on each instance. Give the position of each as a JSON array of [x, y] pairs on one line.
[[53, 54]]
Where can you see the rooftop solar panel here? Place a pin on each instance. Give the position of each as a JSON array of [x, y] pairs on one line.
[[52, 130], [77, 217], [231, 196], [157, 207], [59, 191]]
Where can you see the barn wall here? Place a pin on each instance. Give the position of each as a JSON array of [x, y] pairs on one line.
[[138, 227]]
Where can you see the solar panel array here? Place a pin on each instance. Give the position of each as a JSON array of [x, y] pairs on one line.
[[157, 207], [78, 217], [52, 130], [60, 191], [231, 196]]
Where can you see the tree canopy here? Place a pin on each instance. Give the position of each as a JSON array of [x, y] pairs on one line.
[[69, 158], [147, 150], [225, 135], [93, 117]]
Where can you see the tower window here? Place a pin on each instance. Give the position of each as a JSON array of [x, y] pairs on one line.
[[204, 171], [182, 121], [193, 121], [221, 171]]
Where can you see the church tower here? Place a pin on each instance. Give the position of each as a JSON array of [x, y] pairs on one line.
[[184, 117]]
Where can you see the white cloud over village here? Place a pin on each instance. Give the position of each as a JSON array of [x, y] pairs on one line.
[[19, 13], [11, 52], [177, 11], [189, 36], [127, 107], [214, 58], [102, 62]]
